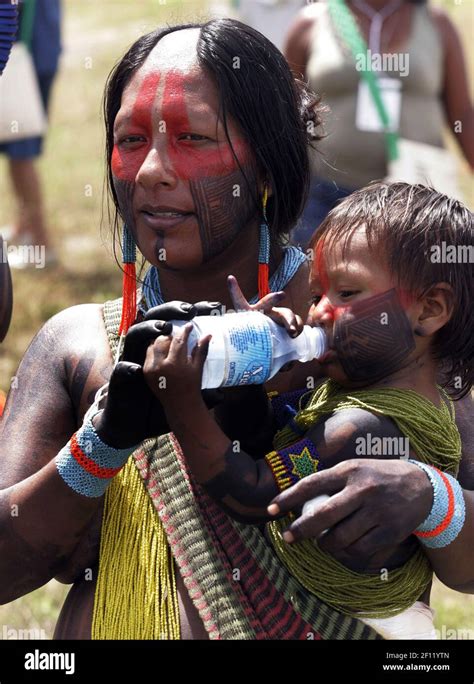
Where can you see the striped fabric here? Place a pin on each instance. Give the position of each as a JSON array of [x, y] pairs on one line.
[[232, 574]]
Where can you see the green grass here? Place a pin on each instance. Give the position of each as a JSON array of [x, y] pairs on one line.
[[95, 35]]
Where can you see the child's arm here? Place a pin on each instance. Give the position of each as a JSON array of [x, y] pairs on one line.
[[242, 485]]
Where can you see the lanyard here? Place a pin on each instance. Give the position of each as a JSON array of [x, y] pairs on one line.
[[346, 26], [377, 19]]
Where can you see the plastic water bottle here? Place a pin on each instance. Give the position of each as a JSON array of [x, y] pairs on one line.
[[248, 348]]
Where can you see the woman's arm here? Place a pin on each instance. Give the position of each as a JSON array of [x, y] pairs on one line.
[[41, 518], [455, 94], [297, 47], [454, 564]]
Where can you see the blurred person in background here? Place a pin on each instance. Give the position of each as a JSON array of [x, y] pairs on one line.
[[270, 17], [30, 226], [434, 91]]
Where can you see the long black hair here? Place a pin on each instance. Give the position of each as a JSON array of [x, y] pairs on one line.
[[278, 116]]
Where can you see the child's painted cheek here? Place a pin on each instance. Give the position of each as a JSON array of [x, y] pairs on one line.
[[374, 338], [329, 312], [126, 162], [190, 161], [405, 298]]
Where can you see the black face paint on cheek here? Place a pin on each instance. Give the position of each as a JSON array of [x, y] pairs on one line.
[[124, 191], [373, 338], [222, 213]]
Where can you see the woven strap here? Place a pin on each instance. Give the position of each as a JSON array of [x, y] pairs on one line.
[[233, 576]]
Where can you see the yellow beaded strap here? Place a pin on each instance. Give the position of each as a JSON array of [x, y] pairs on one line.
[[431, 431], [134, 530], [434, 437], [360, 595]]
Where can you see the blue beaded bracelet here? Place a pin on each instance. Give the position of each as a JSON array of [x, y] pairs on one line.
[[87, 464], [448, 512]]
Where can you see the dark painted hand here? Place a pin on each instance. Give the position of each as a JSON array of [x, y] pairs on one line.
[[132, 412], [374, 505]]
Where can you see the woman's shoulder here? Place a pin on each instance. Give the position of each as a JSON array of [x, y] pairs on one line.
[[78, 321], [444, 25], [73, 332]]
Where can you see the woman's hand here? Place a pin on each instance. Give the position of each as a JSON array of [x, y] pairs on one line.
[[267, 305], [132, 412], [173, 376], [373, 505]]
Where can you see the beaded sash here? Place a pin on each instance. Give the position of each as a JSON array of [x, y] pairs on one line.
[[234, 578]]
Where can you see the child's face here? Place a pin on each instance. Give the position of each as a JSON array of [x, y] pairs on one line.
[[369, 321]]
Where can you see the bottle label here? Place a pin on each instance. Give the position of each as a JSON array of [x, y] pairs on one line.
[[249, 352]]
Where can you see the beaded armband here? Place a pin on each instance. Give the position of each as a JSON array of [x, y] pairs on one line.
[[87, 464], [448, 512], [291, 464]]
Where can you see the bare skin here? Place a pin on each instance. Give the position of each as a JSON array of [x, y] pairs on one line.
[[26, 183], [396, 32]]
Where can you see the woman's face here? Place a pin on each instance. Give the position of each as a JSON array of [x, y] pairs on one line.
[[179, 187]]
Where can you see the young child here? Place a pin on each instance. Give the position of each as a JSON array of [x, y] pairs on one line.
[[398, 319]]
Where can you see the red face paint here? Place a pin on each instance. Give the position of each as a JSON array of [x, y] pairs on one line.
[[127, 162], [320, 266], [334, 312], [188, 160], [405, 297]]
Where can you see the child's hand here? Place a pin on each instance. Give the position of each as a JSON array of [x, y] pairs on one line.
[[171, 375], [283, 316]]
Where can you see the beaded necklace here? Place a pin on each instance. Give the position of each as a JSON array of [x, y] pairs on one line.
[[435, 439]]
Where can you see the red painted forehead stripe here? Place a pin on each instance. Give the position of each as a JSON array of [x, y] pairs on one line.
[[125, 164], [187, 161], [192, 162], [320, 265]]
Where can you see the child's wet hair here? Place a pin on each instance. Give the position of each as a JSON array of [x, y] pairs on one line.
[[413, 227]]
